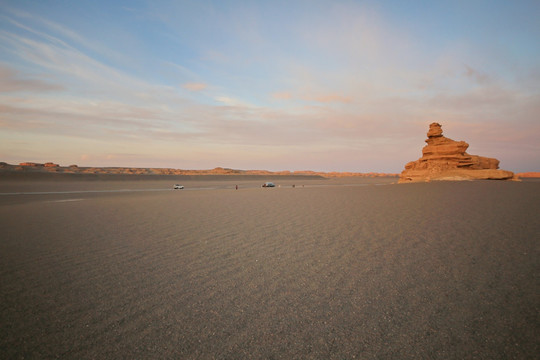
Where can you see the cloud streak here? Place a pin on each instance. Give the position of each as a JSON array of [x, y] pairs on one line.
[[195, 86], [13, 81]]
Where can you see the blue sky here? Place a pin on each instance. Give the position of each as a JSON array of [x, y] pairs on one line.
[[280, 85]]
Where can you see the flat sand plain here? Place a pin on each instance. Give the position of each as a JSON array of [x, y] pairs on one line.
[[334, 269]]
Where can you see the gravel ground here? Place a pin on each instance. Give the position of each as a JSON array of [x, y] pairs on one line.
[[416, 271]]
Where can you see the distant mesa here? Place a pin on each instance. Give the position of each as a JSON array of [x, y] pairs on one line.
[[29, 168], [446, 159], [31, 164]]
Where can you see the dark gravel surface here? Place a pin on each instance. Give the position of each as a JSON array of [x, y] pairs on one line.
[[417, 271]]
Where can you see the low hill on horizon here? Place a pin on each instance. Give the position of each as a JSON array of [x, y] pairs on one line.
[[50, 167]]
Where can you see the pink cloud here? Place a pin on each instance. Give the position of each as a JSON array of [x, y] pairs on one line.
[[11, 80], [195, 86], [324, 98], [282, 95], [478, 76], [332, 98]]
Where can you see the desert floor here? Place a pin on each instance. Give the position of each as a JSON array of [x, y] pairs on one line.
[[329, 269]]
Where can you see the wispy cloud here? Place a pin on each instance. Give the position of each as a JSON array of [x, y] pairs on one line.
[[58, 34], [333, 98], [283, 95], [195, 86], [320, 98], [479, 77], [14, 81], [229, 101]]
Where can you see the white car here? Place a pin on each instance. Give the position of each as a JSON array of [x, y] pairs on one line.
[[178, 187], [268, 184]]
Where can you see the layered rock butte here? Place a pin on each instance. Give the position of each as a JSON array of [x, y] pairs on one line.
[[446, 159]]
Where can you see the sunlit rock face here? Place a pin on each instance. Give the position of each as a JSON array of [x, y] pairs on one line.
[[446, 159]]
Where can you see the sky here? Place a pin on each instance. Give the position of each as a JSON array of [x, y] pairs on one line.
[[274, 85]]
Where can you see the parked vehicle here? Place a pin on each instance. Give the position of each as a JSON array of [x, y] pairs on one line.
[[178, 187], [268, 184]]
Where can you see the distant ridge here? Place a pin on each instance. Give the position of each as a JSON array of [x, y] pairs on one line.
[[50, 167]]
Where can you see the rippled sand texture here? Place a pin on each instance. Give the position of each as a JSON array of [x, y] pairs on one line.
[[433, 271]]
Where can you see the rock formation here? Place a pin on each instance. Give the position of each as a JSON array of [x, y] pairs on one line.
[[446, 159]]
